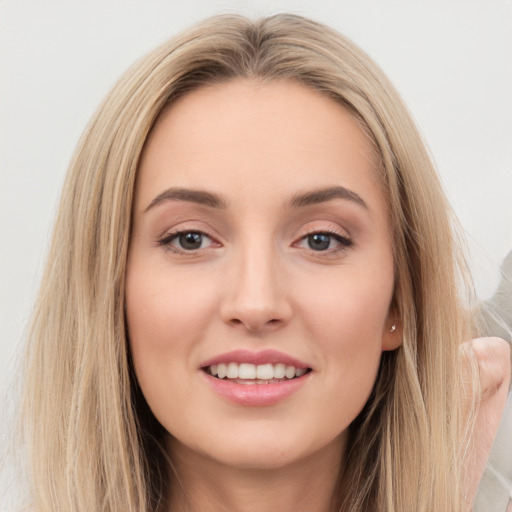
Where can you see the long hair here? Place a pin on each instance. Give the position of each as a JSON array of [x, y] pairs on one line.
[[94, 444]]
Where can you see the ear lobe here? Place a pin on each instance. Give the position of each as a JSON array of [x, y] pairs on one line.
[[393, 331]]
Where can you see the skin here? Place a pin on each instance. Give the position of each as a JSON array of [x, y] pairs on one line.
[[255, 283], [493, 359]]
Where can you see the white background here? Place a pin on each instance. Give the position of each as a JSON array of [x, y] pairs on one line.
[[451, 60]]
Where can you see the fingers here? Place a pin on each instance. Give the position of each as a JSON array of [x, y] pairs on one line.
[[493, 358]]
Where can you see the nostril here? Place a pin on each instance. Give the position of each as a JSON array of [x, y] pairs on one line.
[[255, 324]]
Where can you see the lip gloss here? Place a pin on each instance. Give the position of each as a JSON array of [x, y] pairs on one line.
[[255, 395], [261, 357]]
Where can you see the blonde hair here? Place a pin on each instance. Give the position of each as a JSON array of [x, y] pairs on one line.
[[94, 444]]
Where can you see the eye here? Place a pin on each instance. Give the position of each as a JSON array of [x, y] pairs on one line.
[[186, 240], [325, 241], [319, 241]]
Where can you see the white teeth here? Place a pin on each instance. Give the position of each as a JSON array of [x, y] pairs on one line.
[[222, 370], [232, 371], [290, 372], [256, 381], [279, 371], [247, 371], [263, 372]]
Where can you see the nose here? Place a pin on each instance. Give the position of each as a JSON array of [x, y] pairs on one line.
[[256, 296]]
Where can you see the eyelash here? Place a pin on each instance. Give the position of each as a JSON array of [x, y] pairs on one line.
[[344, 242], [166, 241]]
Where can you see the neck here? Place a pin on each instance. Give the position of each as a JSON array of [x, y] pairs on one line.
[[200, 483]]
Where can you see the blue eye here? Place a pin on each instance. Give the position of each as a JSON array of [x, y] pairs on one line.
[[325, 241], [186, 240], [319, 241]]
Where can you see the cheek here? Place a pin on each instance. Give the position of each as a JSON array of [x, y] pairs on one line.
[[349, 308], [348, 319], [163, 306], [167, 316]]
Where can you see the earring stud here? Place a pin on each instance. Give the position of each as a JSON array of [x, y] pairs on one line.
[[393, 328]]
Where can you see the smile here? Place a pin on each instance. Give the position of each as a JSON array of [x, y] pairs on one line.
[[248, 373], [255, 379]]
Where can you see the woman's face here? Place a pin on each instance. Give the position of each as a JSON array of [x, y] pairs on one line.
[[261, 249]]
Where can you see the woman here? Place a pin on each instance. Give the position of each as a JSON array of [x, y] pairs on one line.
[[252, 297]]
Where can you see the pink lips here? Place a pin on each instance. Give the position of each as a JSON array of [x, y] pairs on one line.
[[263, 357], [255, 395]]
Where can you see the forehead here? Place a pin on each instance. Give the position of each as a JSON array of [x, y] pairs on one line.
[[250, 136]]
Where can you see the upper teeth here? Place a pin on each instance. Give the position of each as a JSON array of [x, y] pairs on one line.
[[252, 371]]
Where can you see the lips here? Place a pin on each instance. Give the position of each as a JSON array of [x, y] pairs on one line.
[[256, 358], [255, 378]]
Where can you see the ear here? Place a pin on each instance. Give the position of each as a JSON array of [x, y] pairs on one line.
[[393, 331]]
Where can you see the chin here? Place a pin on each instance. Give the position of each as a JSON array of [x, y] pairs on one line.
[[269, 450], [256, 459]]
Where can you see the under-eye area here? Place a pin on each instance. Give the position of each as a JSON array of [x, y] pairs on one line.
[[247, 373]]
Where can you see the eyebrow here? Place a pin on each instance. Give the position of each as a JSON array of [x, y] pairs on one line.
[[298, 201], [185, 194], [327, 194]]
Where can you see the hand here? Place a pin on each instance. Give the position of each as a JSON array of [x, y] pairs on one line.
[[493, 359]]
